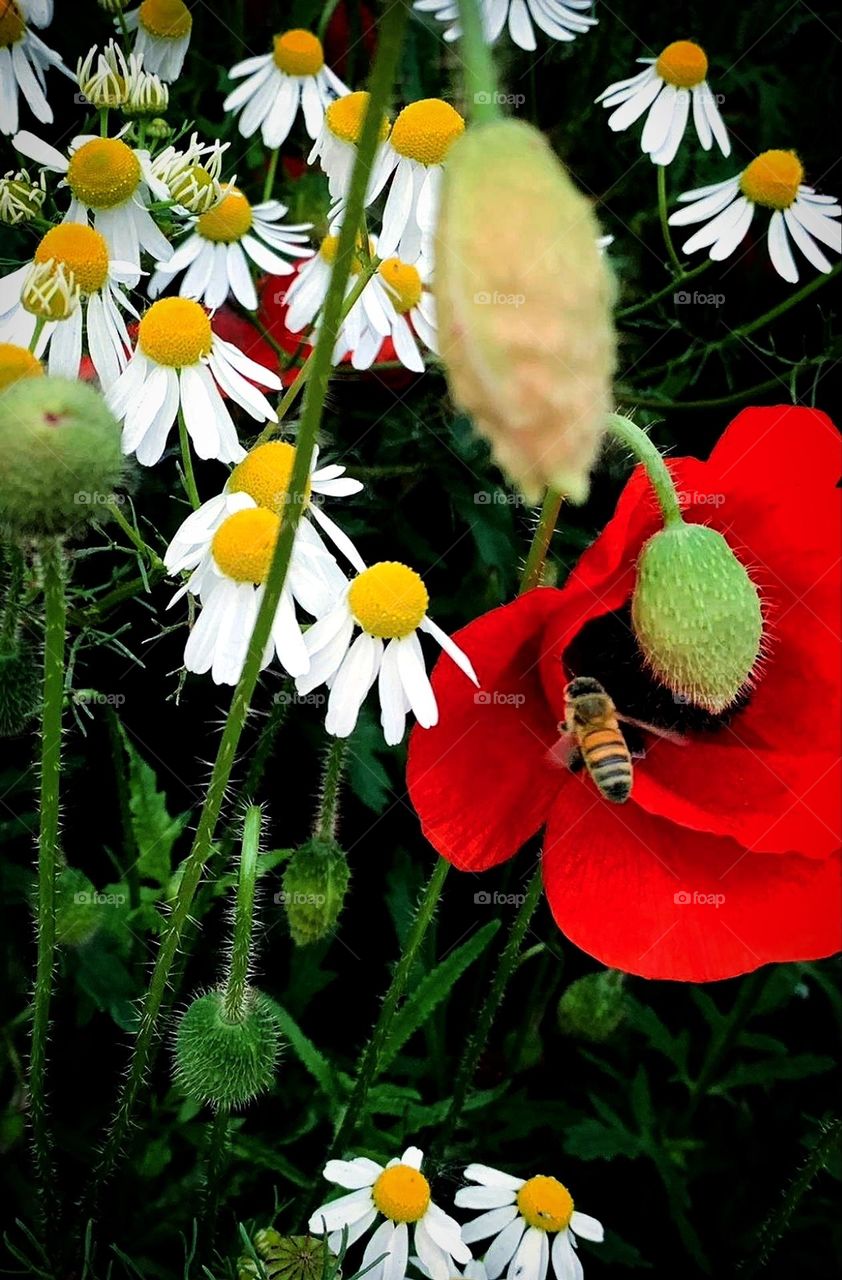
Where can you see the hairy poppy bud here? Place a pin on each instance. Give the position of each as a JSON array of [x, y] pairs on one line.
[[314, 887], [524, 306], [697, 615], [61, 454], [593, 1007], [222, 1060]]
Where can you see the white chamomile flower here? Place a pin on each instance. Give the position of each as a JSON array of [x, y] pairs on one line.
[[473, 1270], [294, 74], [192, 175], [411, 162], [163, 34], [39, 12], [262, 479], [305, 297], [522, 1215], [83, 253], [388, 603], [23, 60], [400, 1195], [394, 304], [216, 255], [773, 180], [559, 19], [176, 366], [112, 181], [667, 88], [335, 147], [103, 76]]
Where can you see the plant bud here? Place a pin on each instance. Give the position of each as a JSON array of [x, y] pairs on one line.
[[592, 1008], [158, 129], [293, 1257], [697, 616], [20, 686], [524, 306], [50, 291], [61, 454], [314, 887], [78, 914], [223, 1061], [21, 199]]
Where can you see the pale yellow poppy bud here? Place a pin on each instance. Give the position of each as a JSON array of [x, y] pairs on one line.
[[524, 306]]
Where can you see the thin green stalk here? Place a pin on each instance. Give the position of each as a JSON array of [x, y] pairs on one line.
[[626, 313], [55, 607], [103, 122], [354, 1110], [216, 1162], [324, 21], [188, 476], [480, 73], [485, 1019], [663, 214], [134, 537], [36, 333], [382, 78], [269, 184], [236, 982], [533, 570], [333, 768], [645, 451], [722, 1042]]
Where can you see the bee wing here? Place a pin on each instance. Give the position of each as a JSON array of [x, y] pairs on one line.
[[669, 735], [563, 753]]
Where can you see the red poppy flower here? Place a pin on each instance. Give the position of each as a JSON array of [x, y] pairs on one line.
[[726, 856]]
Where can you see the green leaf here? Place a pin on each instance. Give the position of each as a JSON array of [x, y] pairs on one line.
[[155, 831], [367, 777], [306, 1052], [432, 989], [771, 1069], [590, 1139]]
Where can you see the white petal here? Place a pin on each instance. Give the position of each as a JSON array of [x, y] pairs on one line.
[[450, 647], [360, 1172], [488, 1177], [566, 1263], [532, 1257], [779, 250], [341, 1212], [416, 682], [490, 1223], [503, 1247], [587, 1227]]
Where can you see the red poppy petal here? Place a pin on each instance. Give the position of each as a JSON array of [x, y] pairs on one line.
[[647, 897], [480, 780]]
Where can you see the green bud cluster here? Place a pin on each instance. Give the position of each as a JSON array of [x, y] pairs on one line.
[[314, 887], [593, 1008]]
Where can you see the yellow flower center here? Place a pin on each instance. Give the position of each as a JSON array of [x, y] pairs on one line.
[[424, 131], [265, 473], [175, 332], [545, 1203], [243, 544], [345, 116], [403, 284], [401, 1193], [103, 173], [683, 64], [388, 600], [330, 244], [166, 19], [298, 53], [16, 363], [81, 249], [12, 25], [773, 179], [227, 221]]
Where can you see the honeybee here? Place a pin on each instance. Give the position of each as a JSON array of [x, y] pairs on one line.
[[591, 737]]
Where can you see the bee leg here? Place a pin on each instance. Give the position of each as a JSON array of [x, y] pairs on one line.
[[576, 761]]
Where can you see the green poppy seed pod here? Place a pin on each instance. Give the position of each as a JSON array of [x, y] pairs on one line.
[[158, 129], [20, 686], [592, 1008], [225, 1061], [314, 887], [61, 456], [248, 1269], [78, 914], [524, 302], [292, 1257], [697, 616]]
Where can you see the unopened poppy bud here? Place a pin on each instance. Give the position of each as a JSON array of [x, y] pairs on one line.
[[62, 460], [592, 1008], [697, 616], [20, 686], [314, 887], [524, 306], [224, 1060]]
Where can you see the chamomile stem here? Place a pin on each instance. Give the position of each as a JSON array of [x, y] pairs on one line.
[[55, 608], [636, 440], [269, 184], [134, 537], [236, 983], [533, 570], [663, 214], [482, 1026], [188, 475], [354, 1111], [480, 74], [36, 333], [626, 313], [380, 87]]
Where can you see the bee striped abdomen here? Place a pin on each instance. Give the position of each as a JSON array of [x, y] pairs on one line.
[[608, 761]]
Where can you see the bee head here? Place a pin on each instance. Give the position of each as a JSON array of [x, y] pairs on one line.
[[582, 686]]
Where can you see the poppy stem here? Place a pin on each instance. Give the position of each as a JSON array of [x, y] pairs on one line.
[[236, 981], [638, 442], [380, 88], [506, 966], [334, 766], [533, 570], [663, 214], [480, 74]]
